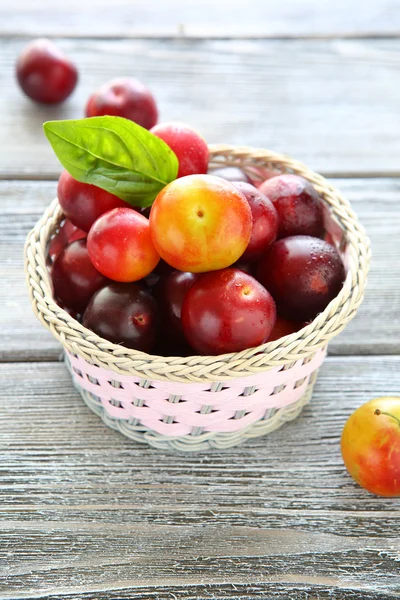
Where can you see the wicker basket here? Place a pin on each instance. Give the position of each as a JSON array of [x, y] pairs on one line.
[[198, 402]]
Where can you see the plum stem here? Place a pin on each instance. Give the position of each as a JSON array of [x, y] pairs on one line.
[[381, 412]]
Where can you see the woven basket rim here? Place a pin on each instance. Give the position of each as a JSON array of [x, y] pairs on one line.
[[83, 342]]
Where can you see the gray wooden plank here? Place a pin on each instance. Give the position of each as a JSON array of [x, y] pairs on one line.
[[274, 589], [366, 569], [200, 18], [375, 330], [84, 510], [331, 103], [22, 336]]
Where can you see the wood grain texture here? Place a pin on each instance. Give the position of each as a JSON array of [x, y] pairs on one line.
[[200, 18], [88, 513], [331, 103], [20, 205], [273, 589], [375, 330]]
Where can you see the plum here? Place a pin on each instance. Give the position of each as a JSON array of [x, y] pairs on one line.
[[120, 245], [297, 203], [74, 277], [125, 314], [170, 292], [83, 203], [265, 221], [44, 73], [303, 274], [189, 146], [227, 311], [124, 97]]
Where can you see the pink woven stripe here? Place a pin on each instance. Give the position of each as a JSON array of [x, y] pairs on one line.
[[273, 377], [194, 405], [194, 401], [222, 420], [178, 429]]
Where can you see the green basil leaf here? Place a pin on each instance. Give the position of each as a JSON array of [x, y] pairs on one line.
[[114, 154]]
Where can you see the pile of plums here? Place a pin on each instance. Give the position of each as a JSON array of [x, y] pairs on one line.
[[217, 264]]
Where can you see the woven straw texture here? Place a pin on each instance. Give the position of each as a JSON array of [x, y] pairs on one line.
[[272, 420], [225, 370], [197, 413]]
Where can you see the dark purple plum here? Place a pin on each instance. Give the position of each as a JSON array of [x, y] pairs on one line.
[[124, 313], [67, 233], [170, 292], [297, 203], [74, 277], [265, 221], [303, 274]]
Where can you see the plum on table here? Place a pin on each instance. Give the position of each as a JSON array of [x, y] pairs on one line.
[[124, 97], [44, 73]]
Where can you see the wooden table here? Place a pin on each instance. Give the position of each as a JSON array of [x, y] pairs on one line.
[[86, 513]]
